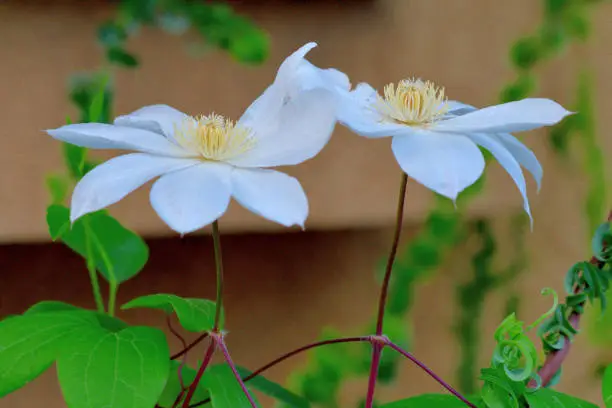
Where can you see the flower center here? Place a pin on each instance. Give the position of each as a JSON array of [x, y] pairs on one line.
[[413, 102], [214, 137]]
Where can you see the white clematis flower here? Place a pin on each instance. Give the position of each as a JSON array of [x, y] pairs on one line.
[[435, 141], [203, 161]]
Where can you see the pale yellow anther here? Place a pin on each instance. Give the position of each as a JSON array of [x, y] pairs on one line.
[[214, 137], [413, 102]]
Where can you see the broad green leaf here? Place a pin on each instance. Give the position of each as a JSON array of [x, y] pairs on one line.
[[121, 57], [108, 322], [125, 369], [58, 186], [29, 344], [173, 386], [224, 389], [607, 387], [430, 401], [275, 390], [115, 248], [195, 315], [547, 398]]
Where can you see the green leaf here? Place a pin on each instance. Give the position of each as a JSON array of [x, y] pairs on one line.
[[429, 401], [601, 243], [121, 57], [108, 322], [607, 387], [58, 186], [525, 52], [117, 250], [96, 109], [74, 158], [125, 369], [224, 389], [111, 34], [275, 390], [173, 386], [30, 344], [547, 398], [195, 315], [58, 220]]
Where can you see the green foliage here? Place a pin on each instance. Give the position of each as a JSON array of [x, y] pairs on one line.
[[105, 321], [119, 253], [195, 315], [30, 344], [547, 398], [430, 400], [225, 392], [177, 382], [126, 369], [58, 187], [275, 390], [606, 390]]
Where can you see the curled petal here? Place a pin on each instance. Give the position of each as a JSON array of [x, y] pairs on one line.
[[518, 116], [446, 164], [508, 162], [192, 198], [109, 182], [523, 155], [270, 194]]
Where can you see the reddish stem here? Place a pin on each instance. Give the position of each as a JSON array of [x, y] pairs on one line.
[[433, 375], [293, 353], [376, 355], [194, 385], [384, 292], [228, 359], [189, 347]]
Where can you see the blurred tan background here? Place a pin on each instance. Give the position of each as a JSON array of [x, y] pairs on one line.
[[283, 287]]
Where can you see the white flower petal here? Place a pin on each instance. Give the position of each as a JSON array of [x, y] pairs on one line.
[[293, 134], [190, 199], [523, 155], [312, 77], [446, 164], [356, 113], [270, 194], [518, 116], [459, 108], [160, 119], [285, 86], [111, 181], [104, 136], [507, 161]]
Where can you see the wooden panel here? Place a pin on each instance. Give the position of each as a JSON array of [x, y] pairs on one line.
[[352, 183]]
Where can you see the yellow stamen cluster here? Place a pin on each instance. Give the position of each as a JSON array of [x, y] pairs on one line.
[[214, 137], [413, 102]]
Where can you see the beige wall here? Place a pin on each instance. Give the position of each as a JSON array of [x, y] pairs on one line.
[[276, 296]]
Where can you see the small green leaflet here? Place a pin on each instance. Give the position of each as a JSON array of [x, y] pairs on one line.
[[29, 344], [547, 398], [607, 387], [117, 250], [195, 315], [274, 390], [173, 386], [124, 369], [430, 401], [225, 391]]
